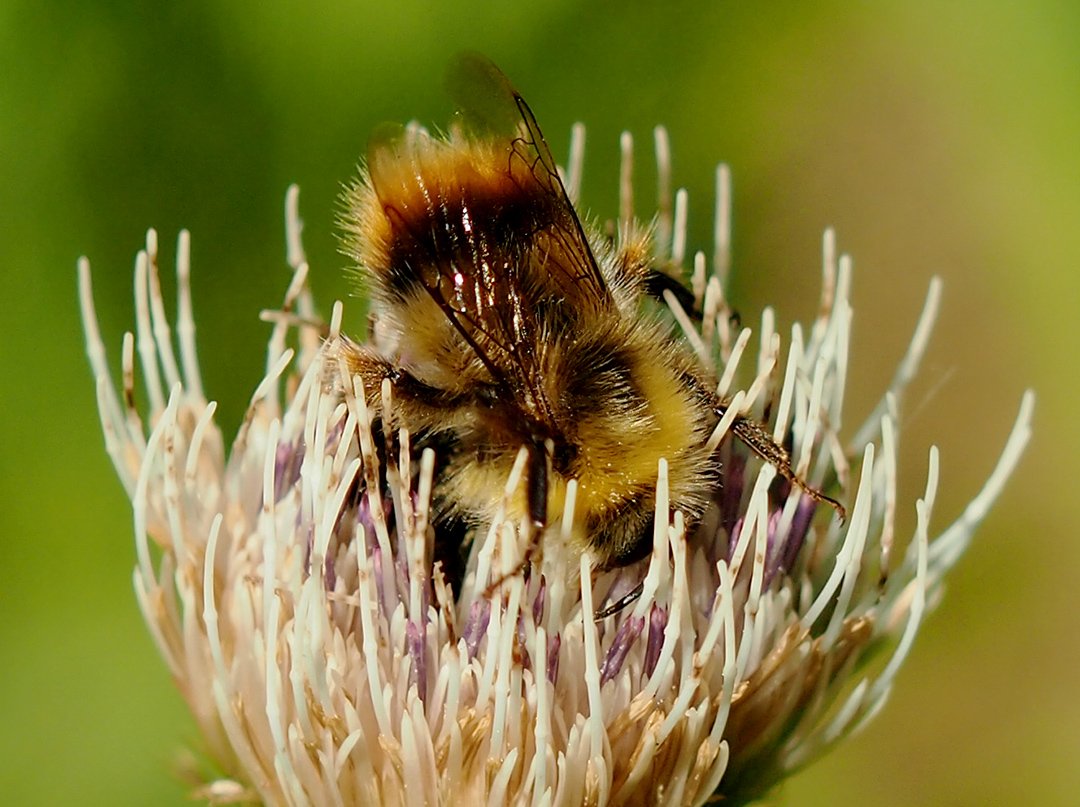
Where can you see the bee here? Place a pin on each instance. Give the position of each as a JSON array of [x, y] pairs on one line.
[[507, 323]]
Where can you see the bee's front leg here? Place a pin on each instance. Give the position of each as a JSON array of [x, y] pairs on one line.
[[537, 474], [537, 468]]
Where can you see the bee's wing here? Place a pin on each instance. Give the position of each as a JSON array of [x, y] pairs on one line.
[[491, 236], [490, 108]]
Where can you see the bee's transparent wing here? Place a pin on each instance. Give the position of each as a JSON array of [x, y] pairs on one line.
[[485, 226], [490, 108]]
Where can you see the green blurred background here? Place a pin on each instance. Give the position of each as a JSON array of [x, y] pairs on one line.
[[937, 138]]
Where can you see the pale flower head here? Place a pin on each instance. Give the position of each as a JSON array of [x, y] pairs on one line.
[[287, 579]]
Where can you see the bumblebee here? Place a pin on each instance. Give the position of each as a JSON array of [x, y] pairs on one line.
[[505, 323]]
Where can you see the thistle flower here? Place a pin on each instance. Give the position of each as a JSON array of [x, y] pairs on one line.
[[288, 585]]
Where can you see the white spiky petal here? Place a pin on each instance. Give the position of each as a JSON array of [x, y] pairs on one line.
[[325, 665]]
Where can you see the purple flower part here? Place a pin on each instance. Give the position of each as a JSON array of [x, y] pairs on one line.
[[736, 534], [773, 547], [796, 537], [732, 485], [329, 573], [476, 625], [309, 545], [401, 571], [333, 439], [711, 537], [657, 624], [521, 655], [780, 489], [521, 640], [538, 602], [364, 519], [427, 591], [376, 570], [553, 645], [415, 641], [622, 585], [364, 516], [287, 463], [628, 633]]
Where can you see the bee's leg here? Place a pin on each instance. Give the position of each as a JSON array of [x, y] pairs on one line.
[[757, 438], [631, 553], [629, 598], [635, 259], [536, 482], [537, 468], [416, 406], [657, 281], [452, 539]]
